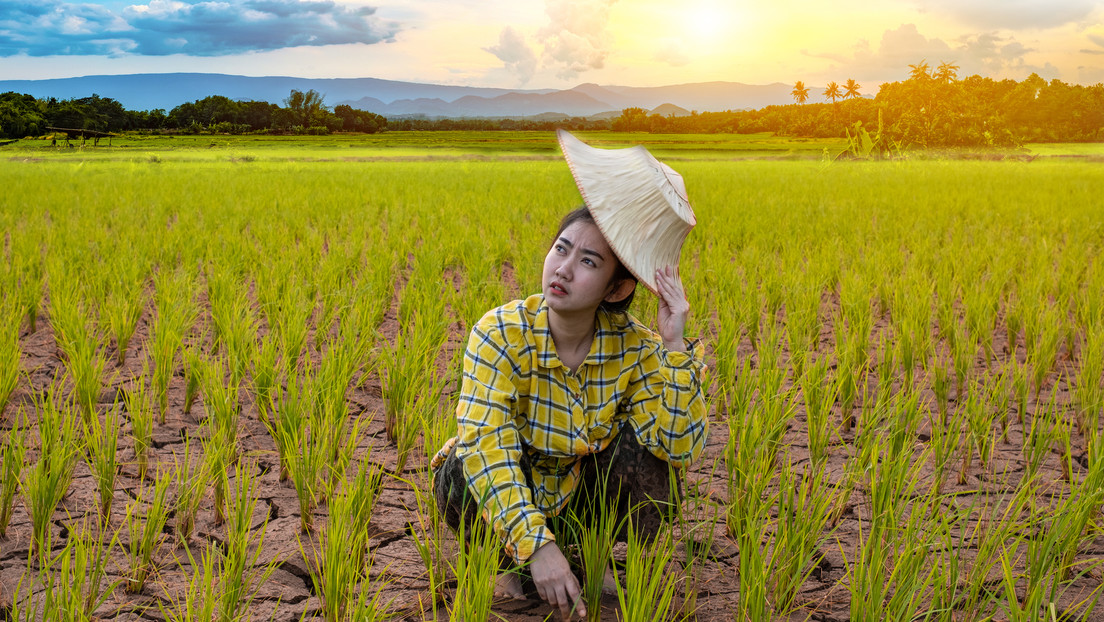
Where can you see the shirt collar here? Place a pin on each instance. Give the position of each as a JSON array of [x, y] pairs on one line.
[[601, 348]]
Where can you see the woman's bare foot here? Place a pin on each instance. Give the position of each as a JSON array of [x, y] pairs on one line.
[[609, 582], [508, 585]]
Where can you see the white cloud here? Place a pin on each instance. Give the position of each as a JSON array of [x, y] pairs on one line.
[[1013, 14], [576, 38], [512, 49]]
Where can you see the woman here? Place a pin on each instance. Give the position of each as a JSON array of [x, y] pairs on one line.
[[561, 387]]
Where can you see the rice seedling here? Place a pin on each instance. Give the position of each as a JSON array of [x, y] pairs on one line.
[[803, 507], [220, 399], [48, 479], [82, 582], [121, 312], [9, 355], [217, 459], [189, 484], [139, 405], [13, 450], [193, 373], [265, 374], [337, 563], [1040, 437], [818, 395], [1044, 351], [307, 452], [145, 532], [241, 570], [101, 455], [648, 589], [200, 599], [590, 535]]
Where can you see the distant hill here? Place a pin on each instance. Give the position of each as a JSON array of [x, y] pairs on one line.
[[397, 99]]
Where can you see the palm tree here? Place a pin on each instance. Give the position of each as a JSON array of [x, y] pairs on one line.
[[947, 73], [920, 71], [832, 92], [800, 92], [851, 89]]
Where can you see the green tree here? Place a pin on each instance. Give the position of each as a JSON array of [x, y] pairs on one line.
[[305, 108], [832, 92]]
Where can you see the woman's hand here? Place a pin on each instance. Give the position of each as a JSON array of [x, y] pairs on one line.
[[555, 583], [673, 309]]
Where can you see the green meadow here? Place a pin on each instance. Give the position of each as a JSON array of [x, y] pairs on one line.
[[226, 361]]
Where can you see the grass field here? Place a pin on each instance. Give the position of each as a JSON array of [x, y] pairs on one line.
[[224, 362]]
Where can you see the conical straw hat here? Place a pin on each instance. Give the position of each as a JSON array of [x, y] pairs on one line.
[[638, 202]]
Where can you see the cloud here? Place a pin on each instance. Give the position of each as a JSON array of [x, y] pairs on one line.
[[987, 53], [576, 39], [1012, 14], [671, 52], [515, 53], [197, 28]]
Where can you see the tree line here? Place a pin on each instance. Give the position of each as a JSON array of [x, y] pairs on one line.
[[931, 108], [23, 115]]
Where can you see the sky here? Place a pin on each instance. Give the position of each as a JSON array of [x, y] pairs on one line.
[[556, 43]]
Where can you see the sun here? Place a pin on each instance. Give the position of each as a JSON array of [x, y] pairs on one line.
[[708, 21]]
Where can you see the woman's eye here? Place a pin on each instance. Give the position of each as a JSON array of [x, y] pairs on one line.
[[590, 262]]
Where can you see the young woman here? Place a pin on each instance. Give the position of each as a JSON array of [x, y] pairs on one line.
[[562, 389]]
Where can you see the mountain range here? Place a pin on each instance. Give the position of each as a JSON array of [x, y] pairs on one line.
[[393, 98]]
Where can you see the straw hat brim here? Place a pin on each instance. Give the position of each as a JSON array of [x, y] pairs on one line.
[[639, 204]]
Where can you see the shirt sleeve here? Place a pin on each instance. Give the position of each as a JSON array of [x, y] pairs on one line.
[[665, 402], [490, 448]]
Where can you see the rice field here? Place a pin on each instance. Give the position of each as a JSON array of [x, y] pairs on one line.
[[224, 365]]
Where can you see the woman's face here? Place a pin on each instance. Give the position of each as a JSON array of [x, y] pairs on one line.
[[578, 269]]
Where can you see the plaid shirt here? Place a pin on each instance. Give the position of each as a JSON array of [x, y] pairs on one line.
[[516, 396]]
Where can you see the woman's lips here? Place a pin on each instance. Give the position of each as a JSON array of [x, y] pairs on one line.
[[557, 289]]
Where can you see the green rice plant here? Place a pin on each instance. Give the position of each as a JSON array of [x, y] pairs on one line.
[[1048, 564], [139, 403], [121, 312], [803, 507], [591, 538], [649, 588], [1020, 388], [750, 310], [146, 532], [241, 572], [1044, 351], [726, 343], [981, 302], [82, 581], [1013, 321], [13, 450], [76, 338], [48, 479], [430, 538], [847, 386], [696, 518], [1087, 389], [963, 354], [1040, 436], [101, 455], [32, 282], [337, 564], [946, 437], [939, 370], [200, 599], [979, 420], [189, 484], [987, 525], [307, 452], [818, 395], [10, 354], [895, 541], [265, 374], [193, 375], [291, 410], [220, 399], [217, 459]]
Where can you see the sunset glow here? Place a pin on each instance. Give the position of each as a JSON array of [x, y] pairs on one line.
[[557, 43]]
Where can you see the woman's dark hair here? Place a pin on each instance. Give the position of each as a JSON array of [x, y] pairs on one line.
[[621, 273]]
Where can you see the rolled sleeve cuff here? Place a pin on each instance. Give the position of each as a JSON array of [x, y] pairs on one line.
[[693, 359], [529, 543]]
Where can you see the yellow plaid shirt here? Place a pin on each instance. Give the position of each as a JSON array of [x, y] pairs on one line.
[[516, 396]]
